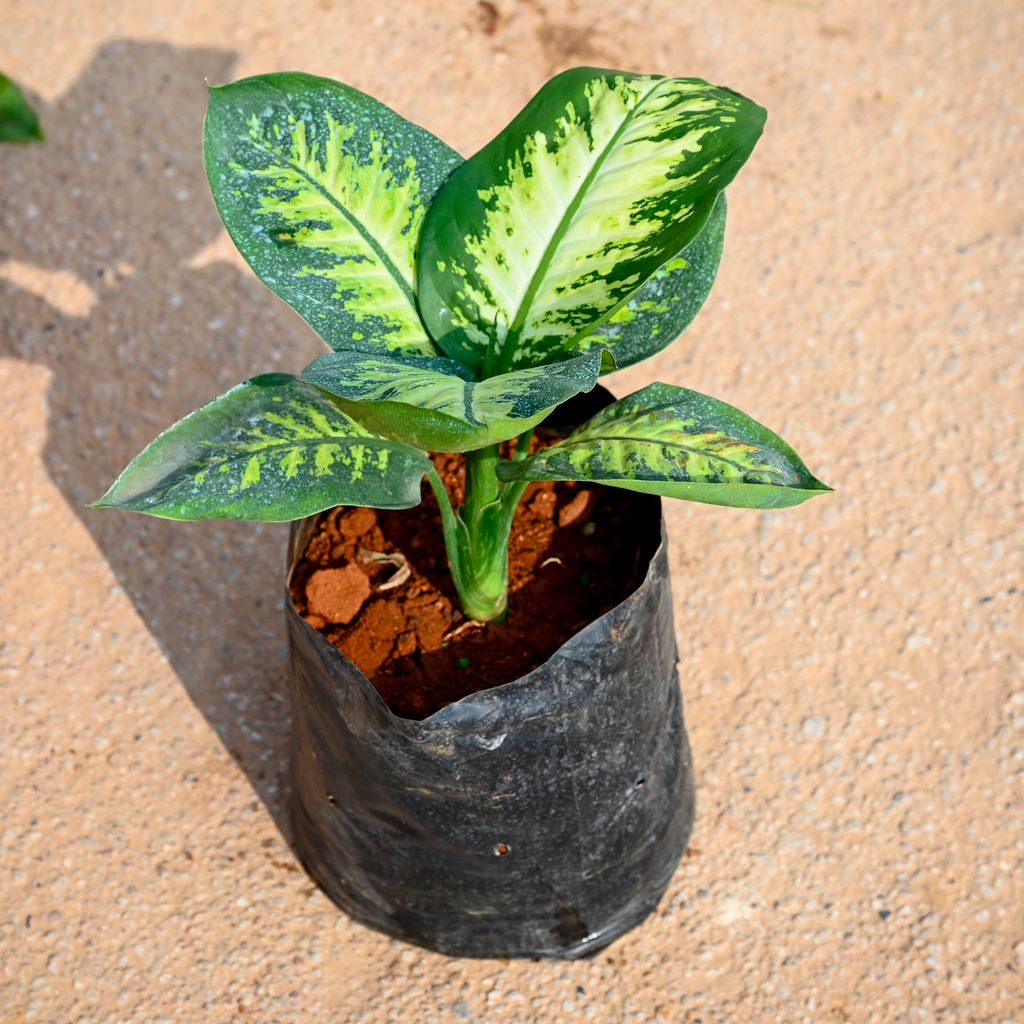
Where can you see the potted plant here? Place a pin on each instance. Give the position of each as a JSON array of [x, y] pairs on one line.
[[537, 806]]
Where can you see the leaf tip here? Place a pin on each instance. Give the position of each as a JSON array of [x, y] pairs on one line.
[[34, 131], [217, 94], [813, 488], [608, 363]]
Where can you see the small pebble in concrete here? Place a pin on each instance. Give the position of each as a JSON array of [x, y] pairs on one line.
[[813, 725]]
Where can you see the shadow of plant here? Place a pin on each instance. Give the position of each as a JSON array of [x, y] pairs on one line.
[[100, 283]]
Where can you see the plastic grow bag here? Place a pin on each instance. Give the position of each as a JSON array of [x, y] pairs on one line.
[[543, 817]]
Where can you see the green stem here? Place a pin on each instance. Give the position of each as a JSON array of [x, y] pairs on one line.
[[482, 580], [476, 536], [522, 445], [453, 528]]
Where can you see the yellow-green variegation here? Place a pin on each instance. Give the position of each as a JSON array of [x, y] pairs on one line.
[[324, 189], [675, 442], [551, 227], [271, 449], [465, 301], [665, 306], [435, 404]]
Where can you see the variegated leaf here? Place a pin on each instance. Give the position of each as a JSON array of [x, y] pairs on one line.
[[675, 442], [323, 190], [601, 179], [432, 403], [657, 314], [271, 449]]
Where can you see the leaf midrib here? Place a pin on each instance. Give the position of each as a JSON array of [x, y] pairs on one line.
[[662, 444], [364, 233], [344, 439], [512, 338]]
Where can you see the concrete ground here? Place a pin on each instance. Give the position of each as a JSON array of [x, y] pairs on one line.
[[852, 668]]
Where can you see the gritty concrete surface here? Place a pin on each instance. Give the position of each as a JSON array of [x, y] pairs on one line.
[[852, 668]]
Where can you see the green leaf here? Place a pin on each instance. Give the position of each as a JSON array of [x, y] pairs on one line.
[[657, 314], [668, 440], [601, 179], [431, 403], [271, 449], [323, 190], [18, 121]]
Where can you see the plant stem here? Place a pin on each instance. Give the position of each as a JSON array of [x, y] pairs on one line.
[[522, 445], [482, 581], [452, 526], [476, 537]]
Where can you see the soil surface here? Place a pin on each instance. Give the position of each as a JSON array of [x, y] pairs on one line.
[[377, 585]]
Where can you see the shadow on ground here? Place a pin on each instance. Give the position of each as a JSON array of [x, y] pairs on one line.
[[104, 227]]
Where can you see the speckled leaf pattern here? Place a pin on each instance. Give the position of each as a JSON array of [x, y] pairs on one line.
[[601, 179], [671, 441], [323, 190], [432, 404], [666, 305], [18, 121], [271, 449]]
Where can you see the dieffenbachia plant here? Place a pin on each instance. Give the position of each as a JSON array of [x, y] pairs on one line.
[[463, 300]]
